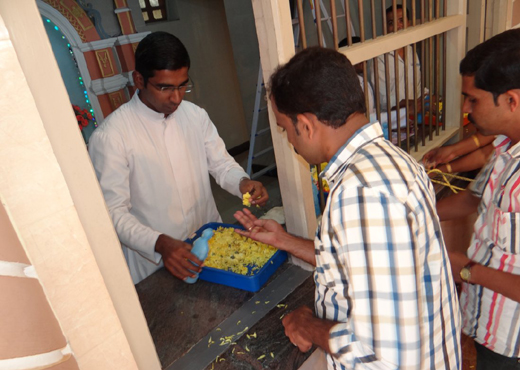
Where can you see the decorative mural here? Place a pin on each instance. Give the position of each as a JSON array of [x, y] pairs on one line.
[[102, 64], [77, 18]]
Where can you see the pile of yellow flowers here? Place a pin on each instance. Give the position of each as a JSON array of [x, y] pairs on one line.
[[230, 251]]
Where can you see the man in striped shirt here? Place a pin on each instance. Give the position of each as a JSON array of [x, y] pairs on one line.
[[490, 271], [385, 297]]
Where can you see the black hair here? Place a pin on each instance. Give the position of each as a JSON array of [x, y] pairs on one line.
[[318, 81], [344, 42], [158, 51], [495, 63], [390, 9]]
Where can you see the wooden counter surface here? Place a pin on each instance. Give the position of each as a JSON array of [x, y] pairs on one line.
[[189, 323]]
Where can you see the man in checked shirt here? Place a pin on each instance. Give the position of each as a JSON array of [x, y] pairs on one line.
[[385, 297], [490, 270]]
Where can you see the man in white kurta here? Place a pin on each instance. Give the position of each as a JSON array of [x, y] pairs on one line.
[[153, 157], [412, 64], [154, 175]]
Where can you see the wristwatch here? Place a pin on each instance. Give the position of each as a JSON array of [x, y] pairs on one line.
[[465, 272]]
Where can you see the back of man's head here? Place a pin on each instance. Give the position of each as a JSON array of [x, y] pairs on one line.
[[158, 51], [318, 81], [495, 63]]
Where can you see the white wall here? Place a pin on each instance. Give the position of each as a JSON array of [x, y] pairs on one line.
[[202, 28]]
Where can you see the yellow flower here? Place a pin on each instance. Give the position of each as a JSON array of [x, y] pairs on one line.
[[246, 199]]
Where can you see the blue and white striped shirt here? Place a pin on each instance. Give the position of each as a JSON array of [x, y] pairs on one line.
[[382, 268]]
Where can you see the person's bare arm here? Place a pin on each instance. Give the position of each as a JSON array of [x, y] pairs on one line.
[[456, 206], [472, 161], [498, 281], [436, 157]]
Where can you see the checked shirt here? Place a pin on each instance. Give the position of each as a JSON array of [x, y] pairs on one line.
[[382, 267]]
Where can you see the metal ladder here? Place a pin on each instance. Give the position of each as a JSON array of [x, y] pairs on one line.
[[260, 92]]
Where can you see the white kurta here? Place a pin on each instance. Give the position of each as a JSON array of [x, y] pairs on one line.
[[412, 61], [154, 174]]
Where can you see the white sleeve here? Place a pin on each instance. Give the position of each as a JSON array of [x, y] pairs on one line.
[[113, 172], [222, 166]]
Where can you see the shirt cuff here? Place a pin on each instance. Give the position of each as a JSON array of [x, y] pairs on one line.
[[148, 251], [339, 337]]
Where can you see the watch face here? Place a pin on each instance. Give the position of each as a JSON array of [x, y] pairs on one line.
[[465, 274]]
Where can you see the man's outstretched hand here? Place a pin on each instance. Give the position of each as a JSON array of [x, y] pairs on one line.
[[265, 231]]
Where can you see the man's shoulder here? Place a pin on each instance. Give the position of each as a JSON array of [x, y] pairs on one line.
[[384, 168], [121, 116], [114, 125]]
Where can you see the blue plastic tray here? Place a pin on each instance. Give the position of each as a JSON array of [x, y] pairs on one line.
[[251, 283]]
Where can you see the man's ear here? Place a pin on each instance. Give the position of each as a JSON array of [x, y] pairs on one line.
[[138, 80], [513, 99], [307, 124]]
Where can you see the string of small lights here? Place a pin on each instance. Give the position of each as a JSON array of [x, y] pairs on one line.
[[89, 109]]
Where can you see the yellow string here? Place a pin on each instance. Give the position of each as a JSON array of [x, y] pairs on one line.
[[446, 181]]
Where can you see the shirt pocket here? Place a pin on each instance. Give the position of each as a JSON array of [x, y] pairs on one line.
[[506, 230]]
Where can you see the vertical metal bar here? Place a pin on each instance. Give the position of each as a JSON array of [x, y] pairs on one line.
[[430, 74], [397, 108], [437, 69], [334, 16], [361, 21], [406, 87], [365, 89], [396, 77], [376, 64], [431, 85], [317, 12], [373, 18], [365, 76], [414, 80], [347, 22], [444, 72], [387, 78], [301, 22], [423, 78], [415, 98]]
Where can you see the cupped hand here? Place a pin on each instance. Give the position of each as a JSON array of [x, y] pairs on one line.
[[257, 190], [177, 258], [264, 231]]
